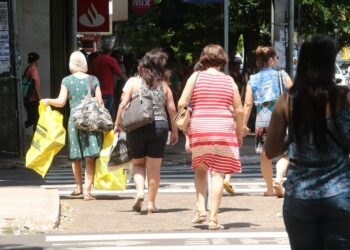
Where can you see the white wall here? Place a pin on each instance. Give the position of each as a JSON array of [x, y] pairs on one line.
[[33, 17]]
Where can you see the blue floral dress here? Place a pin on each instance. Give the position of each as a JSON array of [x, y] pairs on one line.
[[82, 144]]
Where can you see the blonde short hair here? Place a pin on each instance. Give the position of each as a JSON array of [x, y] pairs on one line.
[[77, 62]]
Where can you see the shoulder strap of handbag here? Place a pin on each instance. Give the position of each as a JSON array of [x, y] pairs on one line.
[[90, 87], [281, 81], [195, 83]]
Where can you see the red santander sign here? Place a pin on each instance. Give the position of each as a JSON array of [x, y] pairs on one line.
[[93, 16], [141, 6]]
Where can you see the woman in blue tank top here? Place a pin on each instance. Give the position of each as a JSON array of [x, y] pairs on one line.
[[316, 208]]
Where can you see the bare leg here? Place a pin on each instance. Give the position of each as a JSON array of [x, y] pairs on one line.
[[266, 170], [217, 181], [139, 172], [89, 177], [200, 182], [76, 166], [281, 168], [227, 178], [153, 176]]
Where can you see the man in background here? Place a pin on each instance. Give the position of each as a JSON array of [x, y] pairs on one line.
[[105, 68]]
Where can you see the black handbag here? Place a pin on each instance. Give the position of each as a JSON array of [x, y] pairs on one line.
[[138, 113], [89, 115], [119, 154]]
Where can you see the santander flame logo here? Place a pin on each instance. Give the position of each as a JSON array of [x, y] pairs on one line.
[[92, 18]]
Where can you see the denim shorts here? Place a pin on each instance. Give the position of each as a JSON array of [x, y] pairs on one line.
[[147, 141]]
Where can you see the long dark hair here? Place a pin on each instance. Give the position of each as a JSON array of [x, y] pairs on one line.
[[314, 87], [152, 68]]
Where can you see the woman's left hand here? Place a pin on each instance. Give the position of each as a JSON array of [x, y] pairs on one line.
[[174, 138]]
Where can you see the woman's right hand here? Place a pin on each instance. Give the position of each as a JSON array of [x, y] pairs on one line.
[[45, 102], [245, 131]]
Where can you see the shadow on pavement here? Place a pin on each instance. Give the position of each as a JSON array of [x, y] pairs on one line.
[[19, 177], [232, 209]]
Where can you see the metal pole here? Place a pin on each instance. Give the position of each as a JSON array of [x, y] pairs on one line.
[[16, 63], [71, 8], [290, 38], [226, 16]]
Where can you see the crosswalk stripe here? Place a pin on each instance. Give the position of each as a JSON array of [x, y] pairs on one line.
[[165, 236]]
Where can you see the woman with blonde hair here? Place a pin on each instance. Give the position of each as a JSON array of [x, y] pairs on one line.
[[82, 144], [263, 89], [214, 136]]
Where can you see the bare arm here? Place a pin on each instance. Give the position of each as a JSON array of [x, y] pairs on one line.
[[187, 92], [289, 82], [238, 109], [170, 106], [238, 113], [34, 74], [124, 101], [60, 101], [98, 95], [276, 131], [248, 105]]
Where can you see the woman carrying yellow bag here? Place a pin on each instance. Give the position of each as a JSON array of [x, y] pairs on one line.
[[48, 140], [83, 144]]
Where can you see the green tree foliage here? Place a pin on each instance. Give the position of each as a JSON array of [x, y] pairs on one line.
[[187, 28], [330, 17]]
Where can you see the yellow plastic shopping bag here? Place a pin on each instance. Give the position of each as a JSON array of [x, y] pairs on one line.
[[49, 138], [109, 180]]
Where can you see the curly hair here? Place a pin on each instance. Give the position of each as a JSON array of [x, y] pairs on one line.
[[152, 68]]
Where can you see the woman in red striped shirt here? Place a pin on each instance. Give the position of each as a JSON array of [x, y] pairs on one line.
[[214, 136]]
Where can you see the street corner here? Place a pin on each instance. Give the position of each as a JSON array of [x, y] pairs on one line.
[[29, 209]]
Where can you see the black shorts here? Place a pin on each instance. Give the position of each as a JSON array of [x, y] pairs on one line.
[[147, 141]]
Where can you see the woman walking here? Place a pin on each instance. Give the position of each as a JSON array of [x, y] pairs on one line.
[[82, 144], [264, 89], [214, 136], [316, 111], [147, 144]]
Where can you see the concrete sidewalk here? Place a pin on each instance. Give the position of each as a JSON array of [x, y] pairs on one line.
[[30, 208]]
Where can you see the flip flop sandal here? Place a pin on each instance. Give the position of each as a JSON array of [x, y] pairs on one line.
[[89, 197], [76, 193], [200, 218], [278, 189], [215, 226], [138, 203], [228, 187]]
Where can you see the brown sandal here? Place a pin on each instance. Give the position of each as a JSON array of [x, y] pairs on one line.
[[278, 189], [76, 193], [89, 197], [201, 216], [137, 206], [215, 226]]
